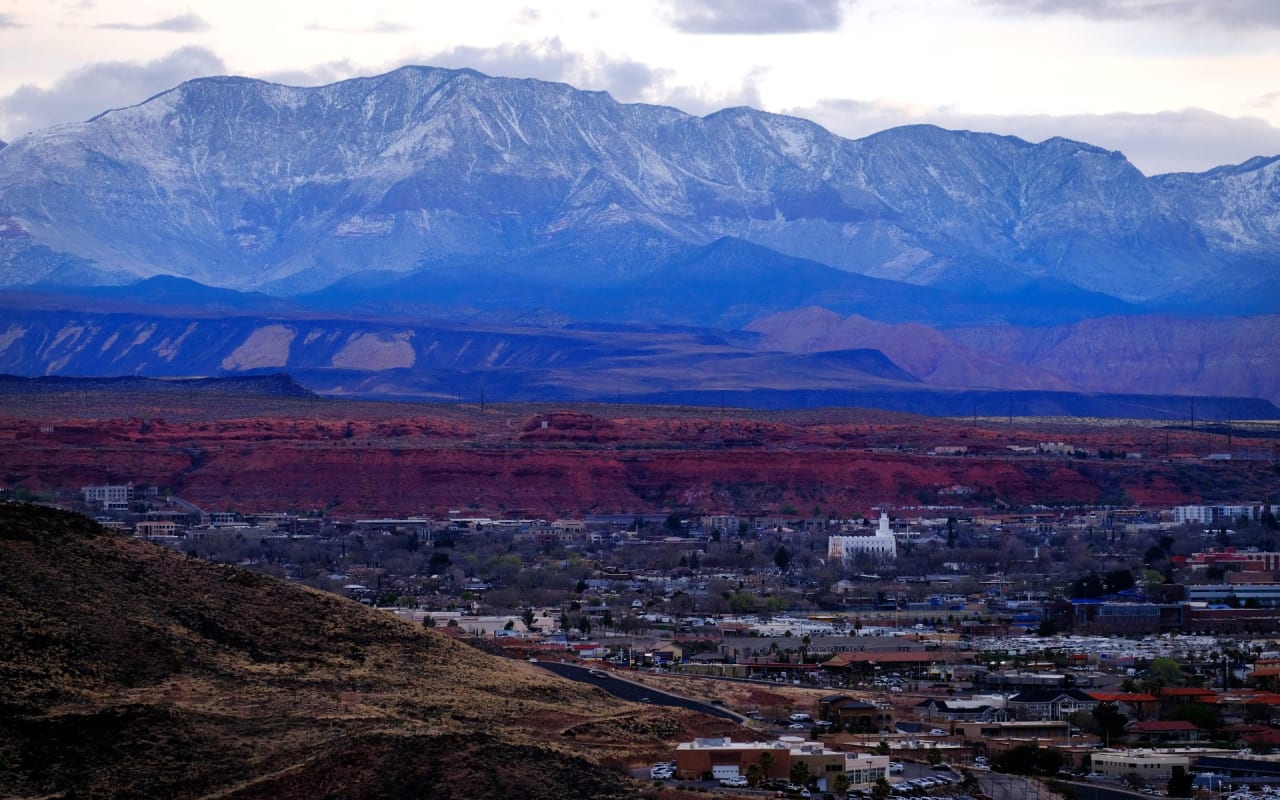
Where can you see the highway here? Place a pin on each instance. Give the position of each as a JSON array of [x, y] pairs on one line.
[[618, 685]]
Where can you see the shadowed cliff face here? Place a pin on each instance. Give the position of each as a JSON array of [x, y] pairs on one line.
[[128, 670]]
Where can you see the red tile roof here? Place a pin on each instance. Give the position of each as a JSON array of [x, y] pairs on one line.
[[1121, 697], [1184, 691], [1163, 726]]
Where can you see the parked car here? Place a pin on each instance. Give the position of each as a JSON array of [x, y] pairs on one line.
[[734, 783]]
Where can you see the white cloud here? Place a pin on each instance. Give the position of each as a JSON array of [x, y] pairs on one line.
[[93, 89], [9, 21], [378, 26], [1226, 13], [1189, 140], [755, 16], [182, 23]]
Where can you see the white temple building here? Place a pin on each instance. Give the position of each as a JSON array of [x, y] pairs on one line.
[[881, 544]]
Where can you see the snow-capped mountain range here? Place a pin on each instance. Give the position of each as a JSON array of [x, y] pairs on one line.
[[450, 194], [248, 185]]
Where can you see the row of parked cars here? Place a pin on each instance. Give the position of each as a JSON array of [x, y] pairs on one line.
[[923, 784], [663, 771]]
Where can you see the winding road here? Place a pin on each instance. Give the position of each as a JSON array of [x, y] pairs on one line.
[[618, 685]]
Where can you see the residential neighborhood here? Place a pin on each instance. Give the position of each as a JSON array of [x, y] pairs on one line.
[[1135, 645]]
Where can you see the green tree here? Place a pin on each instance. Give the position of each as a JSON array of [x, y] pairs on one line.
[[511, 624], [766, 763], [428, 621], [782, 558], [881, 789], [933, 756], [1084, 721], [1118, 580], [527, 617], [741, 602], [841, 783], [1180, 782], [882, 749], [754, 774], [1165, 671], [800, 773], [1110, 721], [1203, 716]]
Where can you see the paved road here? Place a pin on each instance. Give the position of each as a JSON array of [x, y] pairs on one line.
[[618, 686]]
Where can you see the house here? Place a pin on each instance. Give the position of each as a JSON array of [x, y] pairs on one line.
[[668, 653], [1044, 704], [1132, 704], [1153, 731], [844, 711], [960, 710]]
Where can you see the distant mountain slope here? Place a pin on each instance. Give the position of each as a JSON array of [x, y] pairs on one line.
[[261, 386], [797, 360], [243, 184], [130, 670], [1173, 355]]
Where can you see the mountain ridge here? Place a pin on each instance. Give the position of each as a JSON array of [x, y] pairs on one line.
[[423, 164]]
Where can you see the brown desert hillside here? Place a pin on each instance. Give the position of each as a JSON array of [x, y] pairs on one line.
[[128, 670]]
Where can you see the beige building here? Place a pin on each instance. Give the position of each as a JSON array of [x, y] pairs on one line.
[[724, 758], [155, 527], [1149, 765]]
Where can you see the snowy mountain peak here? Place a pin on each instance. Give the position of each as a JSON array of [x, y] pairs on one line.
[[241, 183]]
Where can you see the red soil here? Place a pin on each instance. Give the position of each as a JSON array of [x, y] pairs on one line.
[[396, 459]]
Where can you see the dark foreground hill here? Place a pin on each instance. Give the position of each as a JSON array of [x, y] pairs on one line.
[[128, 670]]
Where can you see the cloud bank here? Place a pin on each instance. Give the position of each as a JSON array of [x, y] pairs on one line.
[[183, 23], [89, 91], [755, 16], [1226, 13], [1188, 140]]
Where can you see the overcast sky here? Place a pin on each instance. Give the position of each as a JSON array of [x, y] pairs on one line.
[[1174, 84]]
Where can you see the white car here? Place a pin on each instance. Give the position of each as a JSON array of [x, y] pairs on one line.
[[734, 783]]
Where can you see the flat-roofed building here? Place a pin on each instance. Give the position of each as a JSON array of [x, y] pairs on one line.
[[1148, 764], [723, 758]]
